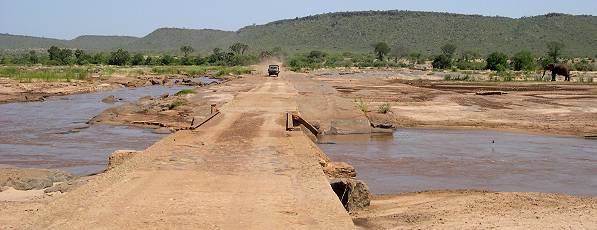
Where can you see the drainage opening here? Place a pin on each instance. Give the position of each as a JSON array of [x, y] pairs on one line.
[[342, 190]]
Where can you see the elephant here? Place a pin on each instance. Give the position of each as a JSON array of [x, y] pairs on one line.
[[557, 69]]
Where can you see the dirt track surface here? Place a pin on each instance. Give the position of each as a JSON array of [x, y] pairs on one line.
[[544, 107], [479, 210], [240, 171]]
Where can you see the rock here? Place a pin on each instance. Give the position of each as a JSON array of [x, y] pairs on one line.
[[164, 96], [164, 130], [135, 83], [339, 170], [380, 130], [28, 179], [157, 81], [483, 93], [111, 99], [354, 194], [382, 126], [65, 186], [146, 98], [118, 157]]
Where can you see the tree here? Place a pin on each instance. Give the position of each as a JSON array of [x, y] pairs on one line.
[[186, 50], [198, 60], [523, 60], [397, 52], [449, 50], [98, 58], [442, 61], [469, 55], [119, 57], [64, 56], [149, 61], [80, 57], [239, 48], [60, 56], [33, 58], [415, 58], [497, 61], [166, 59], [554, 50], [137, 59], [381, 49], [53, 53]]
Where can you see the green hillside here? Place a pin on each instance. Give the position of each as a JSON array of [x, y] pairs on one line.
[[96, 42], [8, 41], [171, 39], [421, 32]]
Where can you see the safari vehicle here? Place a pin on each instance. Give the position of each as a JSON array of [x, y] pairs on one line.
[[273, 70]]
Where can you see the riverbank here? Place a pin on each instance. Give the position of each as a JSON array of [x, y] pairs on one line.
[[36, 83], [467, 209], [425, 99]]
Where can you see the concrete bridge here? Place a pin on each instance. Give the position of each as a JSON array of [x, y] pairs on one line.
[[241, 170]]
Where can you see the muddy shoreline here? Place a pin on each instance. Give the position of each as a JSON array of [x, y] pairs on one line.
[[12, 91]]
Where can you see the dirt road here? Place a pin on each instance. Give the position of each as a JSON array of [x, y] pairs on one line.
[[240, 171]]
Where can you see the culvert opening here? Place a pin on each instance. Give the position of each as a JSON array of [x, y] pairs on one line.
[[342, 190]]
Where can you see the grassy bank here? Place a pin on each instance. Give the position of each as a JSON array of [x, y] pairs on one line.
[[215, 71], [46, 74], [68, 73]]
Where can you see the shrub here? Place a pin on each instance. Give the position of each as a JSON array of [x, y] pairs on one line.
[[138, 60], [583, 65], [177, 103], [470, 65], [459, 77], [497, 61], [166, 59], [442, 61], [523, 61], [384, 108], [363, 105]]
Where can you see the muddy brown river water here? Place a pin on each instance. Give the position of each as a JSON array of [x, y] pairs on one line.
[[431, 159], [53, 133]]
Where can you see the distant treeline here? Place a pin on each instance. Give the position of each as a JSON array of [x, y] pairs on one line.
[[236, 55], [382, 55]]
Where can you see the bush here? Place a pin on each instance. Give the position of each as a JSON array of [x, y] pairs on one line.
[[442, 61], [185, 92], [583, 65], [119, 57], [470, 65], [177, 103], [523, 61], [459, 77], [384, 108], [497, 61], [138, 60], [166, 60], [363, 106]]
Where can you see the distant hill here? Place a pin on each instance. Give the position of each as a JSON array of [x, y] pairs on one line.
[[421, 32], [171, 39], [96, 42]]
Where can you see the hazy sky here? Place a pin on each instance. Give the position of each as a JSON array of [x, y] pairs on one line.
[[67, 19]]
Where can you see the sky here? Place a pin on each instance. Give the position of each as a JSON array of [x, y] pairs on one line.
[[67, 19]]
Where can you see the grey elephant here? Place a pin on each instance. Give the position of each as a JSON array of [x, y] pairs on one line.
[[557, 69]]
